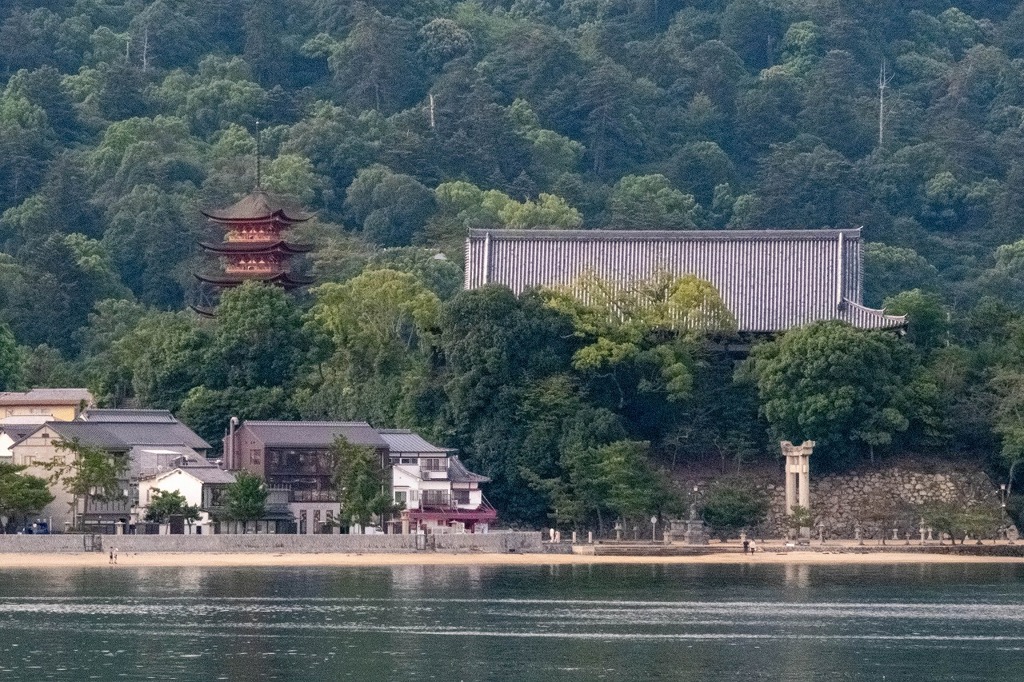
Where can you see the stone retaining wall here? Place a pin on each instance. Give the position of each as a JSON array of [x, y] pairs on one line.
[[877, 499], [301, 544]]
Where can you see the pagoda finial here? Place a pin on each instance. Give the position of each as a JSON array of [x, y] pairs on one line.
[[259, 155]]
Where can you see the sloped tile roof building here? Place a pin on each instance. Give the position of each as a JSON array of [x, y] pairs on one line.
[[770, 280]]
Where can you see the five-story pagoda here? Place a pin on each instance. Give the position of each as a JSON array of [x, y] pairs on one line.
[[254, 247]]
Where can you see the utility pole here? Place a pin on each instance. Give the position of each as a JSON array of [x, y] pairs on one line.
[[884, 77]]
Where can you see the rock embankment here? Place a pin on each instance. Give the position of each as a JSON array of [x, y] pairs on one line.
[[881, 500]]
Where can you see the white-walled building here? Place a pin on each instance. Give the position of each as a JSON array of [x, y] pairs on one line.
[[201, 484], [436, 490]]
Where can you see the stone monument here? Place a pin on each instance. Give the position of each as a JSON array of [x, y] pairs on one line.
[[798, 473], [695, 534]]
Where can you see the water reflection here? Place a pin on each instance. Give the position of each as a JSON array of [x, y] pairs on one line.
[[792, 622]]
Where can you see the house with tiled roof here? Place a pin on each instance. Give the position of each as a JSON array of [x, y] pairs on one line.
[[41, 404], [430, 484], [296, 456], [433, 488], [199, 481], [147, 440]]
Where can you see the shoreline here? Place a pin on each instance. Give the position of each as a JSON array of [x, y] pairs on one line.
[[285, 559]]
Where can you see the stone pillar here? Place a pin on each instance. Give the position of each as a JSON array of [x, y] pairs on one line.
[[798, 472]]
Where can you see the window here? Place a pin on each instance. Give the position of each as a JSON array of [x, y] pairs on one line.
[[434, 464], [407, 460], [400, 497], [460, 496]]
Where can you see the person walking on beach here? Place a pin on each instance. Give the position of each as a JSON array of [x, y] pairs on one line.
[[753, 546], [746, 546], [111, 559]]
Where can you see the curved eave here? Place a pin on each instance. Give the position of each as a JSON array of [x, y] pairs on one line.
[[276, 216], [284, 279], [869, 318], [255, 247], [203, 312], [257, 206]]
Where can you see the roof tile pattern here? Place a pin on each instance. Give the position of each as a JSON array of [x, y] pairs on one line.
[[313, 434], [771, 280]]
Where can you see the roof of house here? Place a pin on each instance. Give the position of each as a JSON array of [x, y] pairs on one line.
[[147, 416], [47, 396], [17, 431], [312, 434], [255, 206], [458, 472], [205, 474], [770, 280], [402, 441], [121, 436]]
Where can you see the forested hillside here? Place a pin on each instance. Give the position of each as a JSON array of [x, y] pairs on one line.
[[401, 124]]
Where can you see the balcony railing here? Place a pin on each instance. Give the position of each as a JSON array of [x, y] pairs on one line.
[[441, 500]]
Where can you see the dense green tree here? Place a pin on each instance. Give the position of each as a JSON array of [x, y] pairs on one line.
[[730, 506], [258, 339], [245, 500], [10, 360], [167, 503], [390, 207], [846, 389], [649, 202], [364, 488], [20, 494], [381, 327]]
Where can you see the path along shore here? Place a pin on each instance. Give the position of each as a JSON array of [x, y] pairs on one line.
[[212, 559]]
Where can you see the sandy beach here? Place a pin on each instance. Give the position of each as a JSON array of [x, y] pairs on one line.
[[150, 559]]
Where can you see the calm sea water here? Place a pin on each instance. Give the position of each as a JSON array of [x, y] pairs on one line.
[[792, 622]]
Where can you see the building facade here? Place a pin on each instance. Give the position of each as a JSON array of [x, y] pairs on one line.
[[296, 456], [148, 441], [201, 483], [43, 404], [433, 489], [770, 280]]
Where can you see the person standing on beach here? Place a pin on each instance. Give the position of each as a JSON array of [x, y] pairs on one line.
[[114, 553], [111, 559], [753, 546], [746, 546]]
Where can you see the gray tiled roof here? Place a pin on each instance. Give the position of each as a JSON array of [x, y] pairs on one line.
[[123, 436], [312, 434], [771, 280], [206, 474], [19, 431], [458, 472], [401, 441], [146, 416], [48, 396], [87, 433]]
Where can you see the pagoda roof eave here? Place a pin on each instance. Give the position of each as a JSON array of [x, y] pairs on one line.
[[257, 206], [285, 279], [255, 247]]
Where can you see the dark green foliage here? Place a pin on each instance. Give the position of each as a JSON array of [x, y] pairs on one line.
[[245, 500], [848, 390], [732, 506], [167, 503], [21, 494], [364, 488]]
